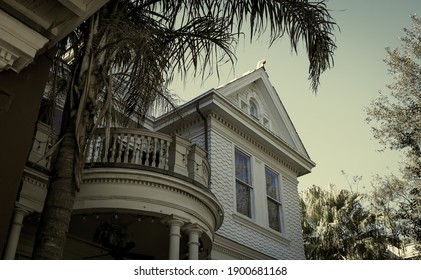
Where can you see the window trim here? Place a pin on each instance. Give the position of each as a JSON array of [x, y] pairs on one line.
[[277, 200], [244, 184], [266, 231], [253, 104]]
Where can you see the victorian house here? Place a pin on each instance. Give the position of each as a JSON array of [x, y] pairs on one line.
[[215, 180]]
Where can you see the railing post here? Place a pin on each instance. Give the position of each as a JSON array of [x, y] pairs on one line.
[[197, 165], [179, 150], [141, 147], [113, 148]]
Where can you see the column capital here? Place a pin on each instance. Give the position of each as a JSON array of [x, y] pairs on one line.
[[194, 231], [25, 209], [21, 209], [174, 220], [193, 228], [175, 223]]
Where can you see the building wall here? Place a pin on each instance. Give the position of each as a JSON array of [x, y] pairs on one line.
[[254, 233], [20, 98]]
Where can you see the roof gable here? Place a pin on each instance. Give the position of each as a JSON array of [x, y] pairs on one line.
[[254, 89], [224, 107]]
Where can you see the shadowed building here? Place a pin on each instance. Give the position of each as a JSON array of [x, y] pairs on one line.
[[29, 29], [215, 180]]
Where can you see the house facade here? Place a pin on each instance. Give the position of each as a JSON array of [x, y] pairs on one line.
[[216, 179]]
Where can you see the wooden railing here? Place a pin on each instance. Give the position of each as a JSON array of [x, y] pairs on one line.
[[145, 148], [134, 146]]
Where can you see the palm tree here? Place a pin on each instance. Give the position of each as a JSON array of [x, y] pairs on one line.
[[134, 48], [337, 226]]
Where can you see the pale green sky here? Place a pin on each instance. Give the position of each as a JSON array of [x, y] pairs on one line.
[[332, 123]]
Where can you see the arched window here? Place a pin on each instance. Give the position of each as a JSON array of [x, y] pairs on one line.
[[254, 110]]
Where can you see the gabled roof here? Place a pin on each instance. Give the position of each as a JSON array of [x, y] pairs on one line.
[[255, 85], [272, 128]]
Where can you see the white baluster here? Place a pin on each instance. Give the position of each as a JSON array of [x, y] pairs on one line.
[[113, 148]]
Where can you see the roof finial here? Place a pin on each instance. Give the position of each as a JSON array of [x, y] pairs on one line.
[[261, 64]]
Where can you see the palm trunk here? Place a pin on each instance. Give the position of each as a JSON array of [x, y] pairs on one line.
[[55, 218]]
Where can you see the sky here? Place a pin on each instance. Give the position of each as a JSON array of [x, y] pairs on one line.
[[331, 123]]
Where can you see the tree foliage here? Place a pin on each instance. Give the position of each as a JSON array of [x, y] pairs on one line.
[[397, 206], [396, 115], [396, 120], [337, 226]]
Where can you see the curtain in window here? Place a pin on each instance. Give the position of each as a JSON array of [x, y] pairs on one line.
[[274, 205], [242, 167], [243, 183]]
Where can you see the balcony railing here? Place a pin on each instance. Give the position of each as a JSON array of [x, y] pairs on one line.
[[143, 148], [132, 146], [136, 148]]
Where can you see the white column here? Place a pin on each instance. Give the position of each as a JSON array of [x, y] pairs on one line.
[[14, 233], [175, 228], [194, 231]]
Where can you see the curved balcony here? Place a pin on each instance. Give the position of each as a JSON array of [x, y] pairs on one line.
[[138, 148], [156, 184], [149, 174]]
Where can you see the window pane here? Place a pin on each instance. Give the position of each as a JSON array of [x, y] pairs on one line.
[[253, 109], [272, 184], [243, 199], [242, 167], [274, 215]]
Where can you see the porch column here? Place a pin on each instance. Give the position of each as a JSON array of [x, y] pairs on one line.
[[194, 231], [175, 224], [14, 233]]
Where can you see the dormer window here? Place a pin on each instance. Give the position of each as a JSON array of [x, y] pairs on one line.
[[254, 112]]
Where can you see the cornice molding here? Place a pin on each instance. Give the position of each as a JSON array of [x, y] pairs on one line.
[[7, 58], [211, 208], [252, 141], [144, 183], [19, 44], [33, 181]]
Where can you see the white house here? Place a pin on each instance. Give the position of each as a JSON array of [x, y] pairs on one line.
[[215, 180]]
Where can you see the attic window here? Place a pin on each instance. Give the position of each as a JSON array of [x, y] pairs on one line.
[[254, 110]]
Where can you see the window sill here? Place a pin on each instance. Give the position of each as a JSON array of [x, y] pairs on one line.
[[267, 232]]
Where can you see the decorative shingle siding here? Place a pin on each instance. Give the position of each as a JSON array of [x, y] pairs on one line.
[[220, 157], [290, 247], [292, 216]]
